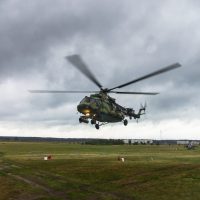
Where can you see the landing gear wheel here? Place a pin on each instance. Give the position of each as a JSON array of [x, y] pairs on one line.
[[92, 121], [97, 126], [125, 122], [83, 119]]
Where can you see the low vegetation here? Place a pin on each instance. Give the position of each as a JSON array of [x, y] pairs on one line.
[[94, 172]]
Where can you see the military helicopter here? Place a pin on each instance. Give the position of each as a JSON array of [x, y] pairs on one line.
[[99, 107]]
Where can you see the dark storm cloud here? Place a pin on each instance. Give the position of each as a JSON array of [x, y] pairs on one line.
[[119, 40], [30, 28]]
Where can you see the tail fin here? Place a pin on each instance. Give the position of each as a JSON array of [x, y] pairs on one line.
[[142, 109]]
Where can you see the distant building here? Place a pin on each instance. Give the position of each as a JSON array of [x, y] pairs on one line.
[[141, 141], [195, 142], [126, 141], [138, 141], [186, 142]]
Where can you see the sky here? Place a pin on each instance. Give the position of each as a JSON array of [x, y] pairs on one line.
[[119, 41]]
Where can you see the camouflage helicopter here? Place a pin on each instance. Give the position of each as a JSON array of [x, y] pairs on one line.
[[99, 107]]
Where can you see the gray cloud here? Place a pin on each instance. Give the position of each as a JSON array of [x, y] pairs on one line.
[[119, 41], [31, 29]]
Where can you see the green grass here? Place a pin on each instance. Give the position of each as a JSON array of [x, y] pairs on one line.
[[93, 172]]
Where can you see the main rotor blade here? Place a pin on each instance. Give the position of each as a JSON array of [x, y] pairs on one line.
[[76, 61], [143, 93], [165, 69], [60, 91]]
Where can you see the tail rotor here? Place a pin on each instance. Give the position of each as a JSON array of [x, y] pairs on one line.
[[143, 108]]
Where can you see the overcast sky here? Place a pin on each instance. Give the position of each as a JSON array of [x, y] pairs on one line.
[[120, 41]]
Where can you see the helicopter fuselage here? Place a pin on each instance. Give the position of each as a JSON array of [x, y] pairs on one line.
[[101, 108]]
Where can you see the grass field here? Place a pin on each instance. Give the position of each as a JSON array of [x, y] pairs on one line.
[[93, 172]]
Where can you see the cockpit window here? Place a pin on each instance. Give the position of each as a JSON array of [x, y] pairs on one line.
[[86, 100], [95, 101]]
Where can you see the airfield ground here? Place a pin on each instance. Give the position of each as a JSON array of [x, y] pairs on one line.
[[93, 172]]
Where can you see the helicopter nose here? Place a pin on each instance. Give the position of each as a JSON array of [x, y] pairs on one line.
[[84, 109]]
